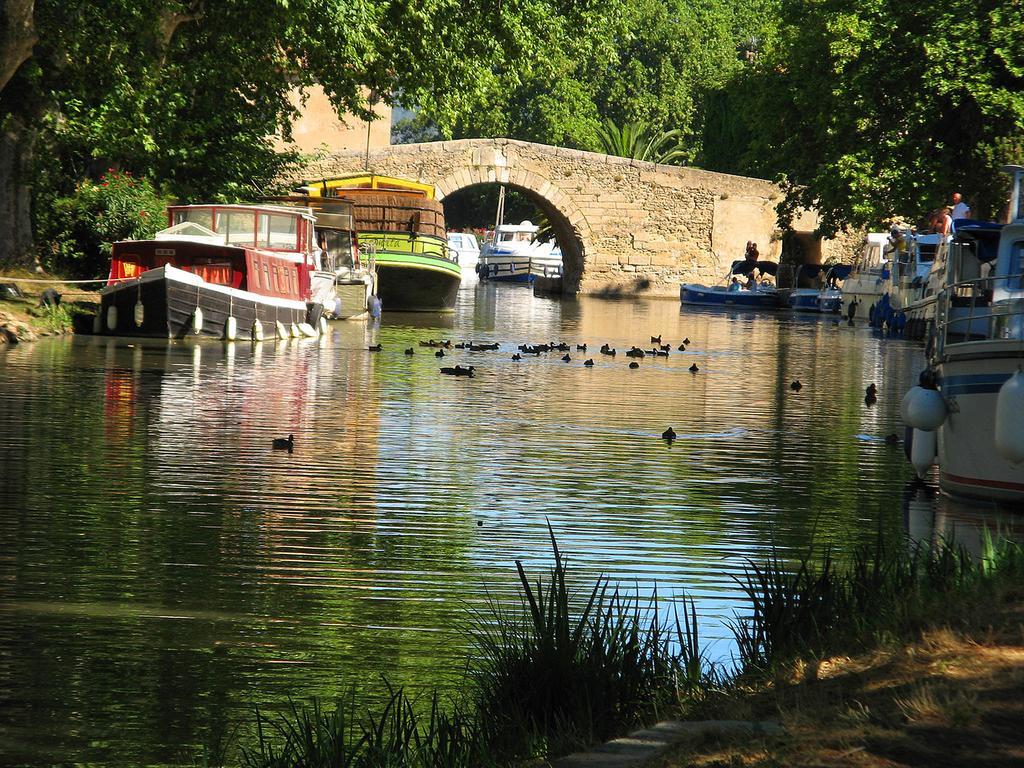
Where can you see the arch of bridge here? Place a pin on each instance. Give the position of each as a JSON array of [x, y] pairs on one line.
[[625, 226]]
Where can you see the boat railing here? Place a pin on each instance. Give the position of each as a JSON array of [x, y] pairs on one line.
[[967, 311], [545, 270], [505, 268]]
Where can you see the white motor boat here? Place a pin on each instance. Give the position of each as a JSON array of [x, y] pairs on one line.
[[826, 298], [513, 254], [968, 413], [465, 247], [908, 298], [865, 284]]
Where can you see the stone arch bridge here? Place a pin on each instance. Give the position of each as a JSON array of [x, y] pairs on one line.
[[625, 227]]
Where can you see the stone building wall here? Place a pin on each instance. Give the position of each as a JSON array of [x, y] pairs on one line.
[[625, 226]]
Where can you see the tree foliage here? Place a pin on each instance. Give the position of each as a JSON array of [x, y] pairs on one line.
[[192, 93], [867, 110], [79, 229], [649, 61]]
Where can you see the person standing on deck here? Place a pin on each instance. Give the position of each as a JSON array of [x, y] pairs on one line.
[[961, 210]]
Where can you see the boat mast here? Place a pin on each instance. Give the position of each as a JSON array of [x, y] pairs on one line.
[[501, 212]]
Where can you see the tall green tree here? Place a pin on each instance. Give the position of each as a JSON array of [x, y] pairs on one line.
[[649, 61], [866, 110], [192, 92]]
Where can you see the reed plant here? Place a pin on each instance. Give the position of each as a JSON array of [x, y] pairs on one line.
[[813, 607], [566, 668], [398, 735]]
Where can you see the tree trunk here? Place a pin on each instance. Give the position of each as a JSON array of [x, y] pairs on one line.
[[17, 142]]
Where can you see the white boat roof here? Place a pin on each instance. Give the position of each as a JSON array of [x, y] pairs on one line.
[[291, 210], [523, 226], [878, 238]]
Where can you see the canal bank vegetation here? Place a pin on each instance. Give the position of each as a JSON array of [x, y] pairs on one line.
[[568, 668], [24, 316]]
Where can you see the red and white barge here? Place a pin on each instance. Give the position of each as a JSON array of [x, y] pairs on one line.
[[224, 271]]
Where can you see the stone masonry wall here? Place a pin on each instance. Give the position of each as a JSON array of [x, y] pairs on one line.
[[626, 227]]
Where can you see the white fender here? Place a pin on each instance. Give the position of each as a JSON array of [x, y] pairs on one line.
[[97, 323], [922, 451], [1009, 435], [140, 313], [197, 320], [308, 330], [325, 327], [230, 328], [257, 330], [111, 318], [923, 409], [295, 332], [282, 332]]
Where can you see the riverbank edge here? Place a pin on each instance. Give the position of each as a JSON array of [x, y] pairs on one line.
[[24, 319], [952, 695]]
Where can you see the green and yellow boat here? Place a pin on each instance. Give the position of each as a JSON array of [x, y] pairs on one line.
[[401, 226]]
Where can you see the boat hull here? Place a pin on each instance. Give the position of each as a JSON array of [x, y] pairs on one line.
[[969, 464], [507, 273], [866, 288], [720, 297], [409, 283], [414, 273], [169, 298], [804, 300]]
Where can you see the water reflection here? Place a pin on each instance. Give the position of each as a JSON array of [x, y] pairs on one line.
[[161, 568]]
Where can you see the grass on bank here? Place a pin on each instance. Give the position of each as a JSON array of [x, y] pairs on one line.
[[45, 320], [949, 698], [568, 668]]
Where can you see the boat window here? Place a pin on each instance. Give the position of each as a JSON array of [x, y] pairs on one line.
[[202, 216], [926, 252], [338, 245], [218, 273], [1015, 266], [279, 231], [237, 227]]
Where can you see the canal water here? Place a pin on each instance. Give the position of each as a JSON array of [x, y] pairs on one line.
[[163, 570]]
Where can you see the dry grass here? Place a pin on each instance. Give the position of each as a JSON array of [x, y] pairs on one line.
[[952, 698]]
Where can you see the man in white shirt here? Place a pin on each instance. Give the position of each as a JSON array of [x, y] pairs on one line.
[[961, 210]]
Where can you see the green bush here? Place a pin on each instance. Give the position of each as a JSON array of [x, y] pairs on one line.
[[76, 232]]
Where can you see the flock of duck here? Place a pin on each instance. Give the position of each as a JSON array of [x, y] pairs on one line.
[[660, 350]]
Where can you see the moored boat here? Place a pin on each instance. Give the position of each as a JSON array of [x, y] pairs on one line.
[[908, 297], [215, 271], [826, 299], [967, 413], [513, 255], [865, 284], [759, 295], [403, 225], [466, 250]]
